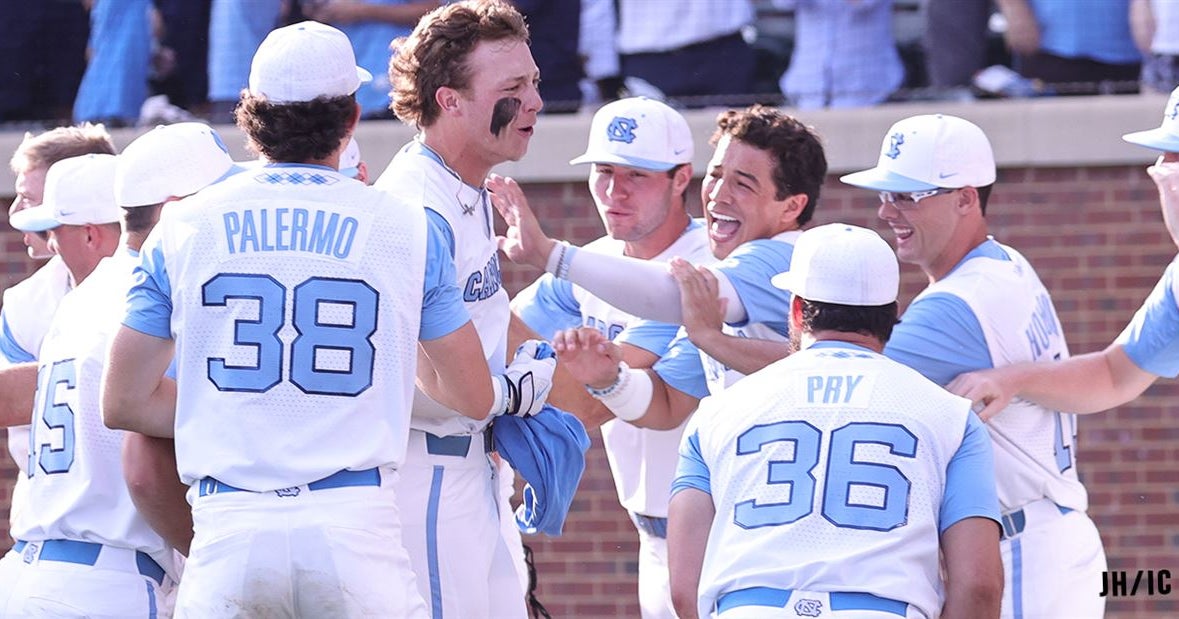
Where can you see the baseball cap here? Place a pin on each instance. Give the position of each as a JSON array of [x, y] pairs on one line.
[[843, 264], [640, 133], [1165, 137], [303, 61], [927, 152], [170, 160], [350, 159], [78, 191]]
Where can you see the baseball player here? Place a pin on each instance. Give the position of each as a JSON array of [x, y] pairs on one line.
[[985, 307], [293, 336], [86, 550], [761, 186], [1145, 350], [28, 306], [832, 491], [466, 79], [640, 151]]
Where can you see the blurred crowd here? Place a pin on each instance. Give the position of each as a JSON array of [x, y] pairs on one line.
[[128, 62]]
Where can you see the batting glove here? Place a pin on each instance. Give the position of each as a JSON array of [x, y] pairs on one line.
[[525, 384]]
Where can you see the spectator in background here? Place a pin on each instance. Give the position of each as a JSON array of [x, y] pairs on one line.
[[236, 29], [688, 48], [42, 58], [185, 41], [371, 25], [1155, 25], [1076, 41], [119, 52], [598, 26], [554, 28], [955, 40], [845, 54]]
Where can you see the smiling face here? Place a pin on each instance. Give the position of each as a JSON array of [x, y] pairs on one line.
[[500, 72], [30, 191], [739, 197], [936, 232]]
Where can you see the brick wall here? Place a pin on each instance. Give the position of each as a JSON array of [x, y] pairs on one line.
[[1097, 239]]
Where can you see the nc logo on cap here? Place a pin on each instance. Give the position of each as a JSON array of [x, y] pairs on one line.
[[894, 150], [1174, 112], [621, 129]]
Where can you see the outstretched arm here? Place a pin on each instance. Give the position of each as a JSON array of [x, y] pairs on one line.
[[1087, 383]]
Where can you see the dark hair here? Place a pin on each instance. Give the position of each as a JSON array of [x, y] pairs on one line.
[[295, 132], [435, 54], [874, 320], [141, 218], [984, 194], [799, 163]]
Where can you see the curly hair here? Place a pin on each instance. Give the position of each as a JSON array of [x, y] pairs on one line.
[[295, 132], [435, 54], [46, 149], [800, 164]]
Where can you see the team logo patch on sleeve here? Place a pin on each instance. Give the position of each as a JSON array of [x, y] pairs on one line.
[[622, 129], [292, 491]]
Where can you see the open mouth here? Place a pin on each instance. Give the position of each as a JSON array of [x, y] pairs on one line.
[[723, 227], [902, 232]]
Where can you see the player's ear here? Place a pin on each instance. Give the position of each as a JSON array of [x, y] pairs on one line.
[[447, 99], [681, 177], [795, 314], [793, 206]]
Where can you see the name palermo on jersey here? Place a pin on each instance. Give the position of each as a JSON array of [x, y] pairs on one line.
[[290, 229], [483, 284]]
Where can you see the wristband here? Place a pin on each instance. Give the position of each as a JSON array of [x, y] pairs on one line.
[[614, 386], [556, 256], [629, 396]]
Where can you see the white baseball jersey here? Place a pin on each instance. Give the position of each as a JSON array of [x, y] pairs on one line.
[[419, 177], [767, 308], [1151, 340], [835, 469], [295, 296], [642, 460], [997, 288], [75, 469], [28, 308]]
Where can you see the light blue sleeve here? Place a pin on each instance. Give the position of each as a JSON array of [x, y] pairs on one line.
[[749, 268], [681, 368], [548, 306], [651, 335], [149, 302], [691, 471], [443, 311], [940, 337], [1151, 340], [970, 479], [8, 346]]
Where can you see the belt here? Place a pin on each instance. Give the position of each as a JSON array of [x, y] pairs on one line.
[[457, 445], [1015, 522], [84, 553], [769, 596], [342, 479], [651, 525]]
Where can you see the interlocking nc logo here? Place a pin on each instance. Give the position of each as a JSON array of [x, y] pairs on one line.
[[894, 145], [621, 129], [1174, 112], [808, 608]]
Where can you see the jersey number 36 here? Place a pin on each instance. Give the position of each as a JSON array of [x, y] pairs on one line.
[[883, 490]]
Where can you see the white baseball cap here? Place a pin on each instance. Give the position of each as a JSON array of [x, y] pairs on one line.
[[640, 133], [350, 159], [303, 61], [843, 264], [1166, 136], [170, 161], [78, 191], [930, 152]]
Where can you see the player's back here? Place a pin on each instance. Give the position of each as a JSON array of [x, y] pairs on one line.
[[75, 481], [297, 298], [1034, 446], [827, 470]]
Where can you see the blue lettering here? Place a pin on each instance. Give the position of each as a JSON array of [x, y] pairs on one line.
[[280, 229], [265, 229], [321, 238], [299, 229], [813, 385], [483, 285], [831, 393], [233, 226], [852, 383], [344, 241], [1042, 327], [249, 232]]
